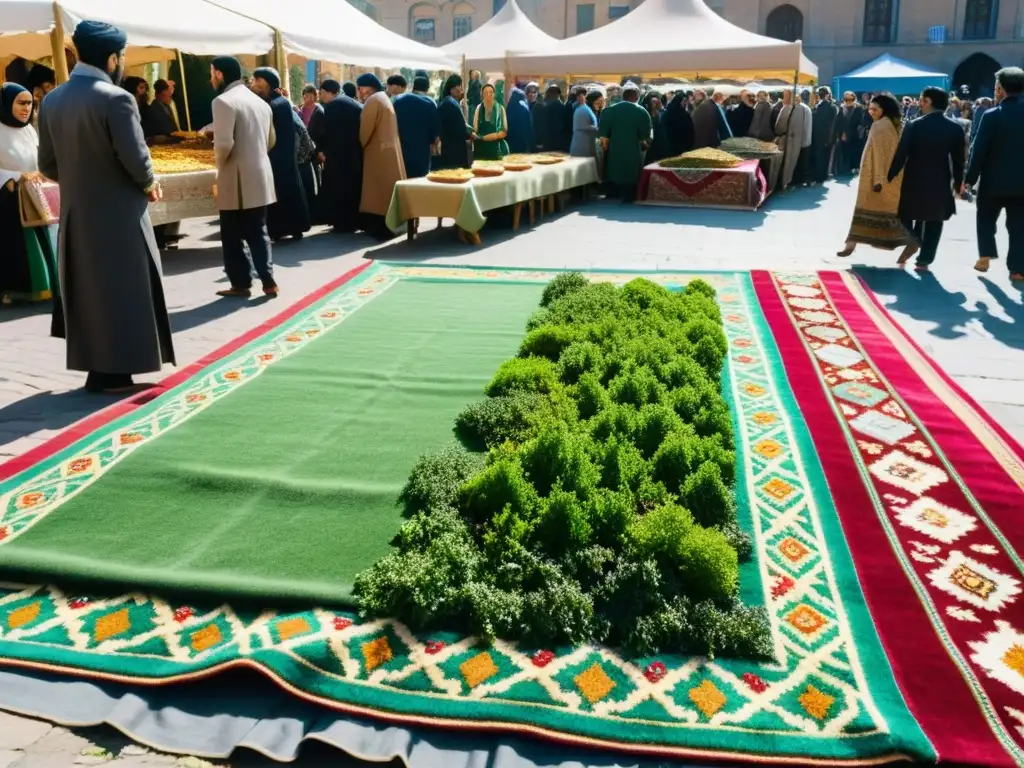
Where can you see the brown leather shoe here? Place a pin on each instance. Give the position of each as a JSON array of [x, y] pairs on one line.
[[270, 288], [236, 291]]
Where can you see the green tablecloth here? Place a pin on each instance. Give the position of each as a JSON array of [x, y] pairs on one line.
[[467, 203]]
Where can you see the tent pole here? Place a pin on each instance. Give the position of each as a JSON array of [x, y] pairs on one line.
[[280, 58], [184, 91], [60, 59], [465, 81], [509, 82]]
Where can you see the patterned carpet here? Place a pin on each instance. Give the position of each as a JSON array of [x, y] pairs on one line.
[[884, 507]]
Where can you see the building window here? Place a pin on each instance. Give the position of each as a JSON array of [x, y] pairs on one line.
[[879, 21], [786, 23], [980, 19], [498, 5], [584, 18], [461, 26], [617, 11], [423, 30]]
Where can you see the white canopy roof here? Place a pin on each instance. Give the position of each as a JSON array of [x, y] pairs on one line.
[[154, 31], [336, 31], [485, 48], [669, 38]]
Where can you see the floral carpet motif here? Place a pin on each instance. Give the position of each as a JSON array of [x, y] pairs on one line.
[[829, 695]]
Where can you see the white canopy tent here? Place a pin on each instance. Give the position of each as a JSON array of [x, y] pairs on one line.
[[336, 31], [155, 32], [670, 38], [485, 47]]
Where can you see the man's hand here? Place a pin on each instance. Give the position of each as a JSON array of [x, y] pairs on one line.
[[877, 188], [963, 189], [320, 158], [156, 194], [604, 144]]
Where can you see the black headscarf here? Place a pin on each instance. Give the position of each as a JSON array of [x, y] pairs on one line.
[[451, 82], [349, 89], [678, 125], [8, 94]]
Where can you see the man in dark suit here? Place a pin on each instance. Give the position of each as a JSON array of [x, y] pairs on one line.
[[997, 159], [931, 156]]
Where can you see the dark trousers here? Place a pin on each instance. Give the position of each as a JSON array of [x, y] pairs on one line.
[[989, 209], [246, 246], [929, 233]]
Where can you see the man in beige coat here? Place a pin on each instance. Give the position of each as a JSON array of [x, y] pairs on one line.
[[383, 164], [243, 133]]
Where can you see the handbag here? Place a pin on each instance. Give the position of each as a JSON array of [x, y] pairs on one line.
[[38, 203]]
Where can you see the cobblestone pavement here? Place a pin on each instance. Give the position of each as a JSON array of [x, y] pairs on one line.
[[973, 325]]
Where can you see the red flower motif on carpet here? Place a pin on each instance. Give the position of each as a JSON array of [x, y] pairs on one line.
[[341, 623], [232, 375], [543, 658], [266, 358], [183, 614], [745, 359], [655, 671], [754, 683], [3, 533], [77, 603], [742, 343], [782, 586], [195, 398], [129, 438], [79, 465], [30, 499], [434, 647]]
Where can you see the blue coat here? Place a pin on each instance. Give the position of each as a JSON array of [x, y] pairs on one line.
[[290, 214], [418, 128], [584, 133], [519, 123], [996, 155], [454, 133], [931, 156]]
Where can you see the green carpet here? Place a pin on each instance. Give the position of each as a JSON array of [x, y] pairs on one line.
[[288, 487]]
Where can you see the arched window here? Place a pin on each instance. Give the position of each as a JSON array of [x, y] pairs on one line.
[[423, 22], [980, 17], [462, 20], [978, 73], [785, 23], [879, 21]]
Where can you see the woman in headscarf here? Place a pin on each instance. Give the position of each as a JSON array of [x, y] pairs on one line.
[[28, 264], [875, 219], [520, 124], [678, 126], [454, 130], [584, 126], [489, 127], [660, 145]]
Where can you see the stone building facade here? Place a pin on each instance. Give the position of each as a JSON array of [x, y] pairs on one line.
[[969, 39]]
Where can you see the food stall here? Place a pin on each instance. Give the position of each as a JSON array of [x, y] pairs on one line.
[[466, 195], [187, 173], [704, 178]]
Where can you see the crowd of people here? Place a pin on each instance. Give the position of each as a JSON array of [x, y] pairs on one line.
[[335, 159]]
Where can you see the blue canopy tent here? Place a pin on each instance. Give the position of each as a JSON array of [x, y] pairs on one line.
[[887, 73]]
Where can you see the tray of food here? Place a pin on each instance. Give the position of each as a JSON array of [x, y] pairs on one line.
[[547, 159], [702, 158], [488, 168], [749, 147], [181, 158], [517, 163], [451, 176]]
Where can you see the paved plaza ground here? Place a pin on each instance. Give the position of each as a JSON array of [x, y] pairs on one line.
[[972, 325]]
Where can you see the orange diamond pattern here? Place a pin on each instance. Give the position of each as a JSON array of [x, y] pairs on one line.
[[205, 638], [111, 625], [708, 698], [778, 489], [1014, 659], [816, 703], [478, 669], [806, 620], [770, 449], [594, 683], [376, 652], [22, 616], [289, 628], [793, 549]]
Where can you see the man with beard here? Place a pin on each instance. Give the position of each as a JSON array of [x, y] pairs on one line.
[[341, 155], [823, 135], [243, 134], [710, 127], [91, 144], [289, 216], [742, 115], [383, 165]]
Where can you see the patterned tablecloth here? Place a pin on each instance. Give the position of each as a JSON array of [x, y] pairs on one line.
[[743, 187], [186, 196], [466, 203]]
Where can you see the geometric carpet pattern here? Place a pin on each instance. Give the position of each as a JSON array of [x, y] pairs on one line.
[[830, 694]]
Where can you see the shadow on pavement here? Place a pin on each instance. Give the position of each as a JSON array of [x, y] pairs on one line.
[[925, 298], [51, 411]]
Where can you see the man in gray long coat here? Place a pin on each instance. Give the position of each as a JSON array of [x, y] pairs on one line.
[[91, 143]]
